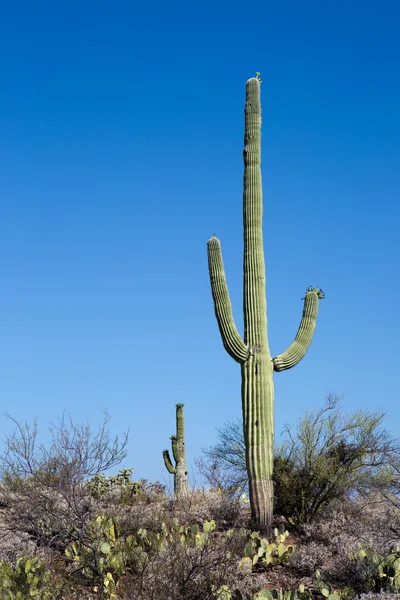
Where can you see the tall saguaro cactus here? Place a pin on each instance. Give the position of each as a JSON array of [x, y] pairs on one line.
[[252, 351], [179, 453]]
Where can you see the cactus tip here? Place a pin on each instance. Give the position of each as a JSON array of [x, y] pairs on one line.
[[319, 291], [253, 79], [256, 77]]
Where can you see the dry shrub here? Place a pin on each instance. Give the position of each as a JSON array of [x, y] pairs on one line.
[[347, 524], [200, 505], [44, 489], [329, 542], [378, 596], [327, 456], [310, 557], [196, 507], [181, 572], [14, 544]]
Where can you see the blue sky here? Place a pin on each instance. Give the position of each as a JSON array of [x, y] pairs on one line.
[[121, 136]]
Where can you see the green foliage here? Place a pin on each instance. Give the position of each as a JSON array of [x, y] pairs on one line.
[[101, 484], [381, 573], [325, 589], [29, 578], [281, 595], [109, 555], [331, 456], [261, 551], [273, 594], [225, 593], [130, 491], [327, 456], [187, 535]]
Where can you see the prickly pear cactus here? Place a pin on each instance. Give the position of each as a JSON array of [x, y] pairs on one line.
[[29, 578], [262, 552]]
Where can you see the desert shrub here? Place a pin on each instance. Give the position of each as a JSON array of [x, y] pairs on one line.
[[200, 505], [167, 561], [106, 555], [225, 509], [331, 456], [332, 541], [299, 593], [378, 596], [328, 456], [43, 489], [223, 466], [310, 557], [192, 563], [268, 594], [228, 511], [14, 545]]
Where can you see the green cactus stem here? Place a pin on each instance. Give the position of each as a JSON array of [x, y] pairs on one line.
[[179, 453], [252, 351]]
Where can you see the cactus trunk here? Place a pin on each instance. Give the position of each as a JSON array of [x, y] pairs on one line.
[[252, 352], [179, 454], [257, 382]]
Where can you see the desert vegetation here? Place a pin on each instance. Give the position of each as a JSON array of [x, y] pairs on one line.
[[70, 530], [316, 516]]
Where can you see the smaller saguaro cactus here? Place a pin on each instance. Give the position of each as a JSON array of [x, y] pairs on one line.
[[179, 453]]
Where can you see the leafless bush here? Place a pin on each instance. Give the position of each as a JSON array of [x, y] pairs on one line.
[[223, 466], [44, 489], [227, 511], [311, 557], [201, 505]]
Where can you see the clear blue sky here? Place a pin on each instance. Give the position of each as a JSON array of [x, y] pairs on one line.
[[121, 136]]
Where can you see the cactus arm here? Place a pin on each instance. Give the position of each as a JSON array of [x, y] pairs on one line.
[[231, 338], [175, 449], [168, 463], [299, 347]]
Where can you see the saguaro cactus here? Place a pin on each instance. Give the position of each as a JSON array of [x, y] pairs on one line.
[[179, 453], [252, 351]]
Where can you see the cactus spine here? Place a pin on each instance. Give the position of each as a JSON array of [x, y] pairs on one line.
[[252, 351], [179, 453]]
